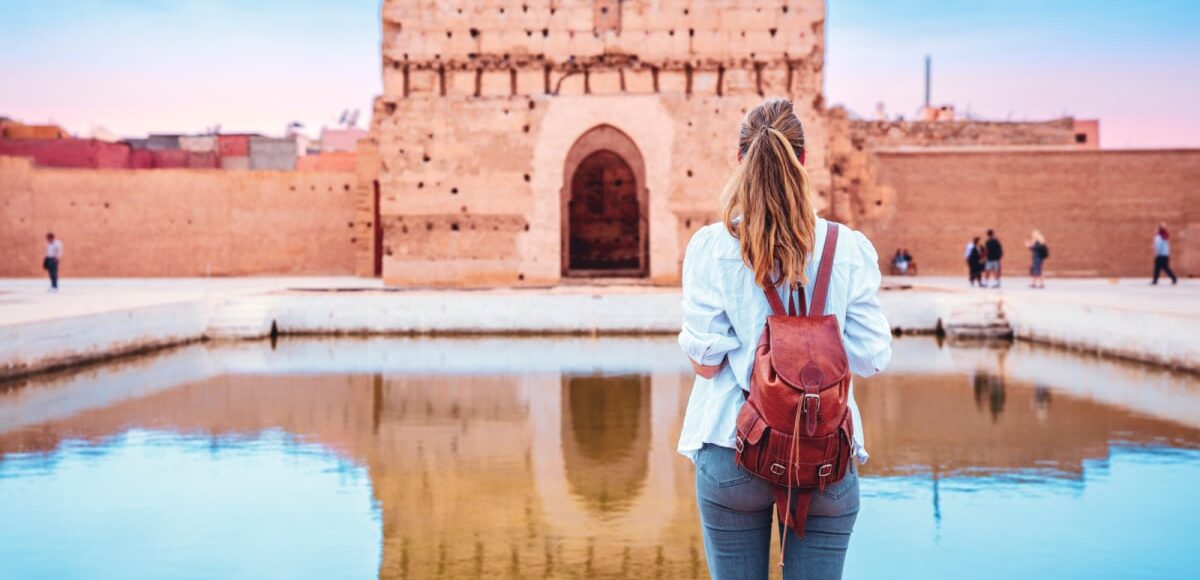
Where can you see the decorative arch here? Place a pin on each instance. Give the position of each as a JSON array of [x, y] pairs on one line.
[[605, 206]]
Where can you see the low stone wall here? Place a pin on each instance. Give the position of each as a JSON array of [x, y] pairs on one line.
[[176, 222]]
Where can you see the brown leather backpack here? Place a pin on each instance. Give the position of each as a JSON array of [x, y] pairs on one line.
[[795, 428]]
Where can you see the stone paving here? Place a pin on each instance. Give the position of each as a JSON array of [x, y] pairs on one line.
[[90, 319], [26, 300]]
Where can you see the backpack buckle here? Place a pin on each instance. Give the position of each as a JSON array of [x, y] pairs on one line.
[[778, 468], [810, 397], [826, 470], [739, 445]]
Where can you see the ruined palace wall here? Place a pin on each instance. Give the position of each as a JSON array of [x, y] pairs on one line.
[[483, 100], [1097, 209], [853, 145], [176, 222]]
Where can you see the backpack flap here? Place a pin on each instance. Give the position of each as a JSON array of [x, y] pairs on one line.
[[807, 351]]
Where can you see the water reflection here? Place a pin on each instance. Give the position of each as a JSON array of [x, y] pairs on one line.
[[536, 458], [606, 438]]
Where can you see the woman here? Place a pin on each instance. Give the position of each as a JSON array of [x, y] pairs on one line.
[[1162, 255], [975, 254], [1038, 251], [770, 233]]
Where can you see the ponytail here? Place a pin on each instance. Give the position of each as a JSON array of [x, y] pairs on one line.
[[770, 192]]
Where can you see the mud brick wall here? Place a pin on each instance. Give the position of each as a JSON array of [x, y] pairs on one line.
[[853, 147], [1097, 209], [484, 100], [176, 222]]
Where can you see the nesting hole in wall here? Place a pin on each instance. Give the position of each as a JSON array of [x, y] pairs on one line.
[[426, 158], [420, 185], [454, 227], [526, 178], [689, 173], [785, 8], [878, 202], [691, 33], [429, 226], [773, 31], [453, 191], [346, 187], [525, 128], [526, 227], [521, 277], [474, 33], [671, 33]]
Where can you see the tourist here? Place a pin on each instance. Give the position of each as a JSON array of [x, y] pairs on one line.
[[910, 263], [993, 254], [1162, 255], [1038, 252], [730, 284], [974, 256], [899, 263], [54, 252]]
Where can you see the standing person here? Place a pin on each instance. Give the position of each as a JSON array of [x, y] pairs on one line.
[[899, 263], [910, 265], [54, 253], [734, 274], [991, 265], [1038, 252], [974, 256], [1162, 255]]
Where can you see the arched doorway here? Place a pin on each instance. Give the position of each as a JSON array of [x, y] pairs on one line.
[[604, 213]]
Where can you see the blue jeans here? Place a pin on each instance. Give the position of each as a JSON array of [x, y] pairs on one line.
[[736, 512]]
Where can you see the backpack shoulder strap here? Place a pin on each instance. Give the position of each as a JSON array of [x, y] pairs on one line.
[[777, 308], [821, 288]]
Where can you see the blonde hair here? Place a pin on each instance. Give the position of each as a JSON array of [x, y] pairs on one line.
[[771, 192], [1038, 237]]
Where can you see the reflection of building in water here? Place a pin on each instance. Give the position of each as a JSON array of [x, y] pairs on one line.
[[930, 422], [476, 475], [606, 438]]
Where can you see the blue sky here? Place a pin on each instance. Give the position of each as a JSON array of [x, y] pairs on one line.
[[135, 66]]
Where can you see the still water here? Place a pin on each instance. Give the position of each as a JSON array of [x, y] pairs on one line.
[[496, 458]]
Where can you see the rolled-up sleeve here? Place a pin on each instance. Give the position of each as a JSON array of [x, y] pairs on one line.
[[868, 334], [707, 335]]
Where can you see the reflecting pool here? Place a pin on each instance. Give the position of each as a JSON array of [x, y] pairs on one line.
[[554, 457]]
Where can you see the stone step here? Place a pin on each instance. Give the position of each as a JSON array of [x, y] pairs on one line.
[[241, 319]]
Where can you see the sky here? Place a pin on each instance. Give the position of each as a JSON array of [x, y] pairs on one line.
[[140, 66]]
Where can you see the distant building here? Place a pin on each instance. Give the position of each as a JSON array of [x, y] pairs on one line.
[[10, 129], [341, 139]]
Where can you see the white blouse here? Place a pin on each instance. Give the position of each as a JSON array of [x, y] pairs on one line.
[[724, 312]]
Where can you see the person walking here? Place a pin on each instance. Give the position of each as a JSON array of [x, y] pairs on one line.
[[54, 253], [769, 247], [974, 257], [1162, 255], [991, 265], [1038, 252]]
